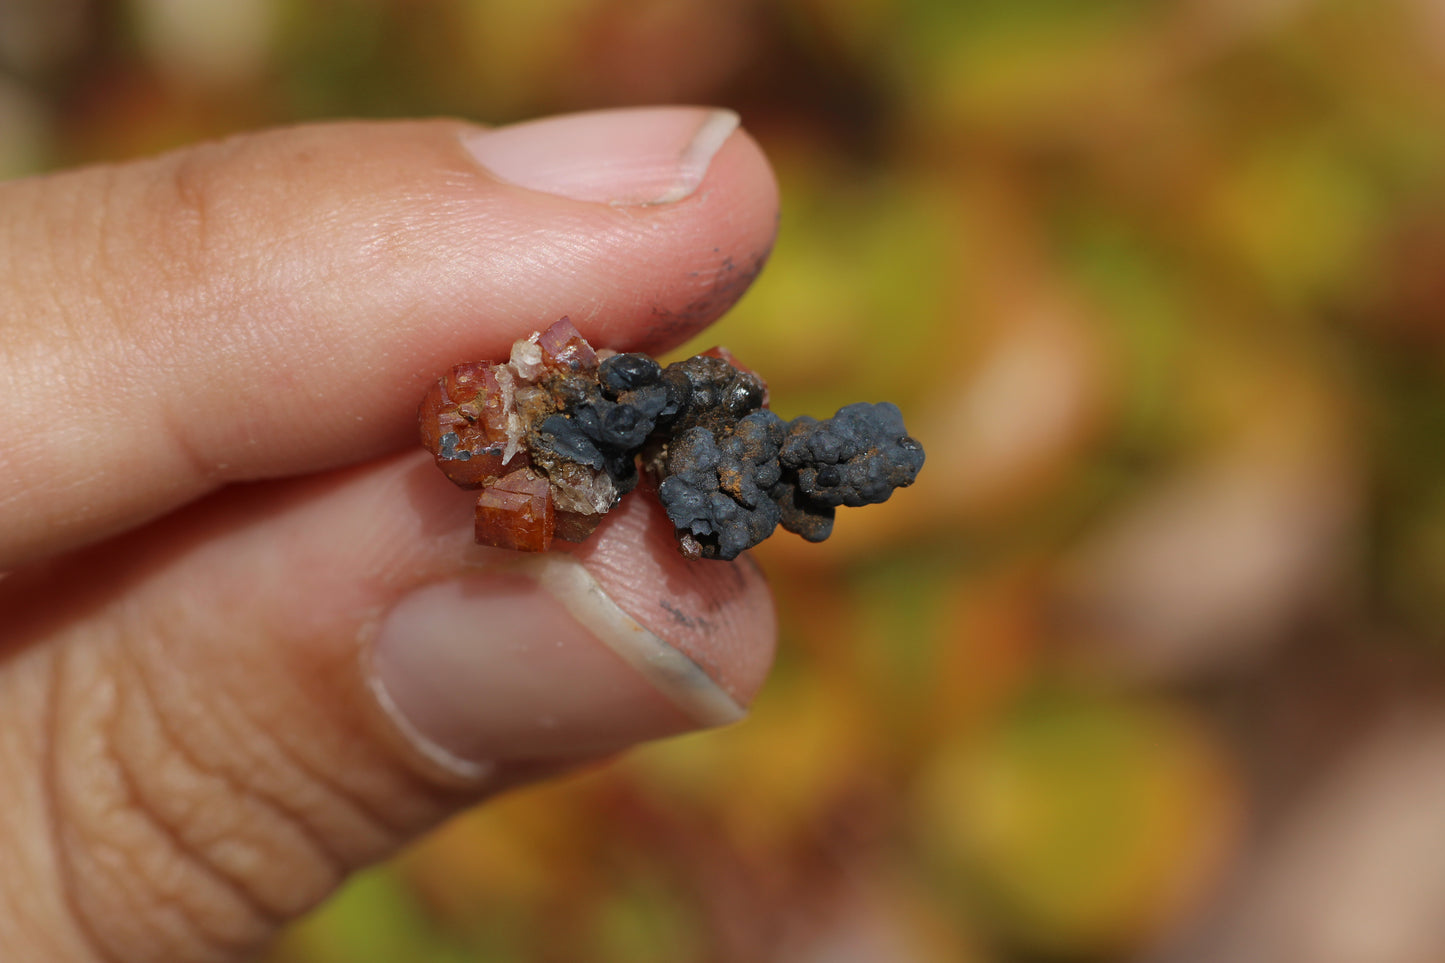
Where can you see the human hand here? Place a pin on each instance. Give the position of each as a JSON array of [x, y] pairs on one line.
[[246, 644]]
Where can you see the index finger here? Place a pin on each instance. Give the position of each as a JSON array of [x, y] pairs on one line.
[[275, 304]]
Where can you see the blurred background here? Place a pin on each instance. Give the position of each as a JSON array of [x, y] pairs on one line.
[[1148, 664]]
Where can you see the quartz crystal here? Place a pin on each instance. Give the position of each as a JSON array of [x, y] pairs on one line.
[[553, 439]]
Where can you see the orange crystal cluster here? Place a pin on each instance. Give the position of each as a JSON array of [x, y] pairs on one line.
[[475, 421]]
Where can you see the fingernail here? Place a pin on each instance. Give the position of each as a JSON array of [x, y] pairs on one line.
[[652, 155], [536, 664]]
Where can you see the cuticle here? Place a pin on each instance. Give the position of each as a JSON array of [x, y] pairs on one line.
[[392, 722]]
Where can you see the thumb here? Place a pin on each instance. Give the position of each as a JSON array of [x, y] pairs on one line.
[[268, 653], [290, 682]]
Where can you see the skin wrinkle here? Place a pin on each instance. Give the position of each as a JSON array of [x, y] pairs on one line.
[[336, 867], [388, 831], [342, 668], [49, 814], [135, 803], [57, 723], [161, 660], [200, 474], [322, 675], [53, 808], [242, 737], [190, 189], [197, 864]]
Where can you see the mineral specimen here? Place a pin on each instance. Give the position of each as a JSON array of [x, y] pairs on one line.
[[553, 438]]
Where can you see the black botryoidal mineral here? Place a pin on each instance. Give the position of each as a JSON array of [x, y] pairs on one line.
[[729, 471]]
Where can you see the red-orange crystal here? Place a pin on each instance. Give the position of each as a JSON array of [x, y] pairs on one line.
[[564, 347], [463, 423], [516, 512]]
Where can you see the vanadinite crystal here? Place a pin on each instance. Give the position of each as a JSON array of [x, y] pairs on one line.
[[553, 438]]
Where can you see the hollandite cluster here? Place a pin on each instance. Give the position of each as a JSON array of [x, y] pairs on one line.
[[554, 437]]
